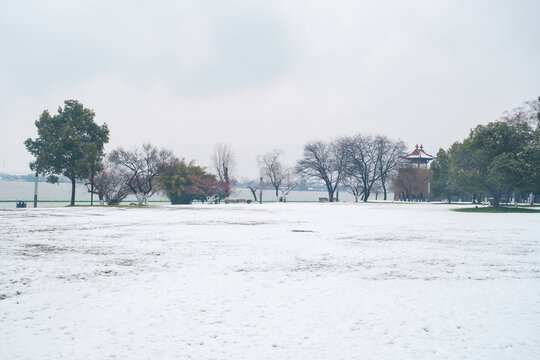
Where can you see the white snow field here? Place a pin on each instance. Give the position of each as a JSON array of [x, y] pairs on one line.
[[273, 281]]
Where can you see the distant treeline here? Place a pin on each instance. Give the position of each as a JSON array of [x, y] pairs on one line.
[[500, 160], [301, 186], [29, 178]]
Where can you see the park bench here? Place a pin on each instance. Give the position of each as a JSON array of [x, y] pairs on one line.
[[21, 204], [235, 201]]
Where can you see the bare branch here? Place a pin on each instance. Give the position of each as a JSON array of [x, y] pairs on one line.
[[325, 161], [140, 168], [271, 169]]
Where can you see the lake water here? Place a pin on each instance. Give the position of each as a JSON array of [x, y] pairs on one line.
[[54, 195]]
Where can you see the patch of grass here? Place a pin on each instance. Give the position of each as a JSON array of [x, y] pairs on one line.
[[502, 209]]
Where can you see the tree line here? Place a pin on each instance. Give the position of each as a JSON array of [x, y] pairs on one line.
[[355, 164], [71, 144], [495, 159], [500, 159]]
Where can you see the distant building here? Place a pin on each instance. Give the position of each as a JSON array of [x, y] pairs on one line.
[[413, 182], [419, 156]]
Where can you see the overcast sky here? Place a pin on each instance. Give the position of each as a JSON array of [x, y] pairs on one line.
[[260, 75]]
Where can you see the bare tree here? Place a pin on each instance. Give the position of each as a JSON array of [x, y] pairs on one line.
[[272, 170], [109, 184], [288, 184], [410, 183], [362, 161], [353, 186], [252, 185], [377, 187], [224, 164], [528, 113], [325, 161], [140, 168], [389, 158]]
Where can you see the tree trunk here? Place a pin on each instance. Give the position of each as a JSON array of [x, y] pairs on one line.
[[384, 189], [330, 195], [72, 192], [366, 194], [92, 187], [496, 200], [254, 193], [277, 193]]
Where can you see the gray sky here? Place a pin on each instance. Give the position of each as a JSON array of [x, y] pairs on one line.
[[260, 75]]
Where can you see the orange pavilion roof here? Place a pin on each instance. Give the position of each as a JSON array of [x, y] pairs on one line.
[[419, 154]]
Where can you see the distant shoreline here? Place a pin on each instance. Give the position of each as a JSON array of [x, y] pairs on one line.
[[31, 178]]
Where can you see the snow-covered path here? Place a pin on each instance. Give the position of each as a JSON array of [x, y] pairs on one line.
[[277, 281]]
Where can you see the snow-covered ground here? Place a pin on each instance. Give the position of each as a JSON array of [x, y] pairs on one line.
[[272, 281]]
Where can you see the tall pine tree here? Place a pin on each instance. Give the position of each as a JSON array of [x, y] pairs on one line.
[[69, 143]]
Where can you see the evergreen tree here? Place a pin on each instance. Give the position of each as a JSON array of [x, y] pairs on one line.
[[442, 184], [493, 160], [69, 143]]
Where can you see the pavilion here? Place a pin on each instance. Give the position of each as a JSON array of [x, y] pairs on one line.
[[413, 183], [419, 156]]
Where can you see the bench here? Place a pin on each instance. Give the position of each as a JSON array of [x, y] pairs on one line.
[[21, 204], [235, 201]]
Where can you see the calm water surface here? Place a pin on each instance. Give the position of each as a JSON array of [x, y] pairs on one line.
[[24, 191]]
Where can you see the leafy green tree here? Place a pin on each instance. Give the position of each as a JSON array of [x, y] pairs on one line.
[[184, 182], [492, 160], [69, 143], [442, 185], [464, 178], [530, 163]]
